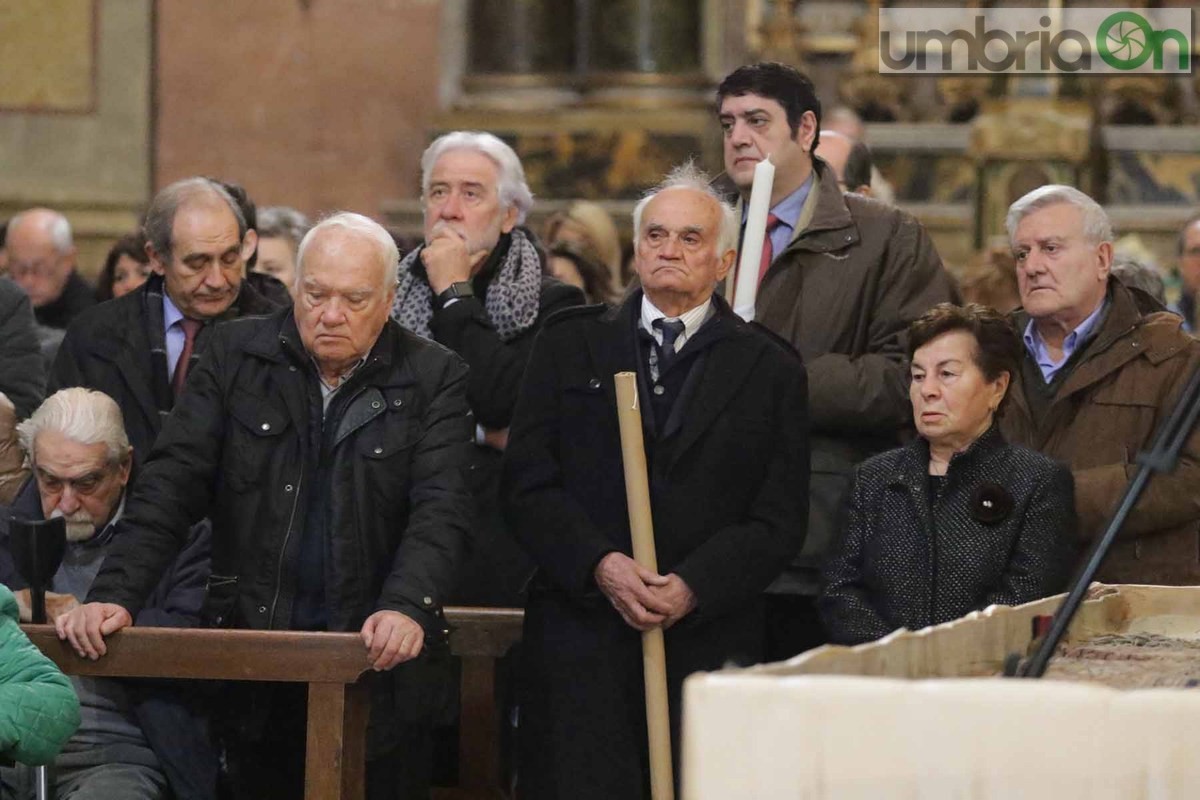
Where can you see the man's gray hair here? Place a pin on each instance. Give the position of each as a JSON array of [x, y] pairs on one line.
[[689, 176], [57, 228], [160, 216], [514, 191], [1134, 273], [1096, 226], [82, 415], [282, 222], [389, 254]]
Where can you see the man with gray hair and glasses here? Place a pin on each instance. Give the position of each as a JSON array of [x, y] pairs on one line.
[[42, 260], [1103, 367], [138, 349], [135, 739], [328, 446]]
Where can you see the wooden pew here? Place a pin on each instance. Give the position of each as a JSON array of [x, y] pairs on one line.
[[479, 636], [331, 664]]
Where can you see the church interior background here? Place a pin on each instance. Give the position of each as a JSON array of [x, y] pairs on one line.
[[327, 104]]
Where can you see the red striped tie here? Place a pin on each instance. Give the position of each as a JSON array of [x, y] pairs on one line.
[[190, 328], [768, 251]]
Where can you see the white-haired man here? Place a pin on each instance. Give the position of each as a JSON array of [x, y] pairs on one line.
[[134, 740], [328, 446], [724, 408], [1103, 366], [478, 286], [139, 348], [42, 260]]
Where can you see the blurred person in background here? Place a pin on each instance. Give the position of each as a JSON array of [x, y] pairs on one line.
[[991, 280], [42, 259], [280, 230], [126, 267], [1136, 275], [588, 224], [575, 263], [1189, 272]]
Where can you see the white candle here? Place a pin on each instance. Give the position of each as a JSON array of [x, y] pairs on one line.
[[745, 289]]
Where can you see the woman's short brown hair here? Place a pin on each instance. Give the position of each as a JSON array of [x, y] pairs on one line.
[[997, 348]]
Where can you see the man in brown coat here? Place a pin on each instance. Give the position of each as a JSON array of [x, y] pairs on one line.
[[1104, 364], [847, 276]]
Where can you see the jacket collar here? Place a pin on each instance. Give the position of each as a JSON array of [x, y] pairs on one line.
[[280, 342], [725, 368], [912, 468], [825, 222], [1127, 323]]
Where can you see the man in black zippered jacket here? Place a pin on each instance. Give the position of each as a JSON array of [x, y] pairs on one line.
[[327, 445]]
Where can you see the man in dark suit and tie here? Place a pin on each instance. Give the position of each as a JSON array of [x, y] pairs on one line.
[[138, 349], [723, 407]]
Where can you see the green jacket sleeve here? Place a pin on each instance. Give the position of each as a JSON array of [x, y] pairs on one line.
[[38, 707]]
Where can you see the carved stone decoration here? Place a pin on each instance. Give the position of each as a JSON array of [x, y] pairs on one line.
[[876, 98], [961, 96], [778, 37], [1136, 100], [1022, 143]]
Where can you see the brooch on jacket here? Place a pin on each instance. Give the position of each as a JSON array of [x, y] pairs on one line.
[[991, 503]]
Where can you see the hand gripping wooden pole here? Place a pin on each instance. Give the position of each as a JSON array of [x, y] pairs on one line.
[[641, 525]]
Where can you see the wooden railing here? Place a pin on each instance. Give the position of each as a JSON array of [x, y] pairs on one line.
[[331, 664]]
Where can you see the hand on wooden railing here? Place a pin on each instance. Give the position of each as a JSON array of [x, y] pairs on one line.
[[85, 627]]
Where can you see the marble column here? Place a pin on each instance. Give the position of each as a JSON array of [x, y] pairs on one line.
[[521, 53], [642, 52]]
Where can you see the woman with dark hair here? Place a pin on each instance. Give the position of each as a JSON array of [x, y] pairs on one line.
[[578, 265], [125, 268], [958, 519]]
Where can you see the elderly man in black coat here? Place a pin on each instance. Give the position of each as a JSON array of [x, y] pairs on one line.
[[328, 447], [138, 349], [723, 407]]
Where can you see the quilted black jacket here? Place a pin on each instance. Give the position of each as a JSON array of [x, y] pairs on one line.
[[998, 531]]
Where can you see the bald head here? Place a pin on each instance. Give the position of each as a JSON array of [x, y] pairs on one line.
[[835, 149], [41, 254]]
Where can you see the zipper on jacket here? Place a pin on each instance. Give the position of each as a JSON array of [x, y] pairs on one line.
[[283, 554]]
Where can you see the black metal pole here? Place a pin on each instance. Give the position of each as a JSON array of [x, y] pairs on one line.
[[1161, 457], [37, 588]]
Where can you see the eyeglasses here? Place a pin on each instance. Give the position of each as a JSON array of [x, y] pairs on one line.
[[84, 484]]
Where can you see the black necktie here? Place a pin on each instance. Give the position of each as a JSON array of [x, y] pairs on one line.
[[671, 330]]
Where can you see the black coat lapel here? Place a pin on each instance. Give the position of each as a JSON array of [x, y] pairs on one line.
[[727, 365], [613, 349]]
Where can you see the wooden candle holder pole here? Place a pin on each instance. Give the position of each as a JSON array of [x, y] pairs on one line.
[[641, 525]]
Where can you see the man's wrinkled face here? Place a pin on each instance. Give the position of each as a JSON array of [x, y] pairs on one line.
[[1059, 272], [677, 252], [344, 297], [755, 127], [464, 195], [207, 261], [78, 482], [1189, 259], [37, 265]]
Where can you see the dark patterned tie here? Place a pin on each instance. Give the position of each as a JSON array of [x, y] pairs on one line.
[[671, 330], [190, 328]]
